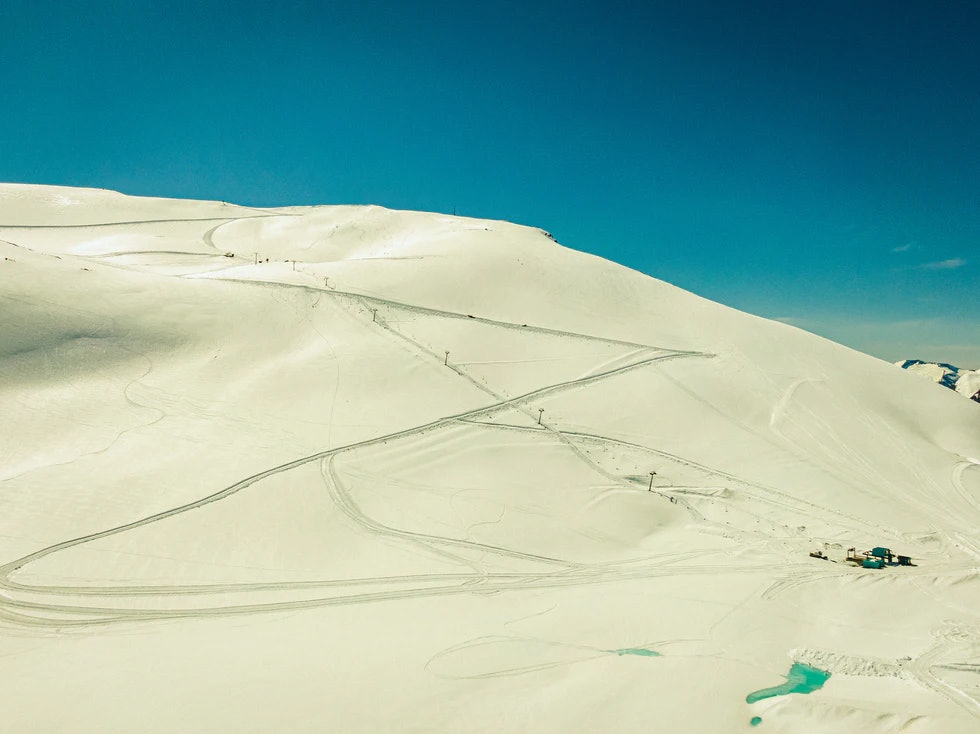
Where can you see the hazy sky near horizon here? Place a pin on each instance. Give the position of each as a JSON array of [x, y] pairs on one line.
[[813, 162]]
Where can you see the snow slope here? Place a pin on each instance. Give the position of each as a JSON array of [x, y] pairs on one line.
[[261, 496]]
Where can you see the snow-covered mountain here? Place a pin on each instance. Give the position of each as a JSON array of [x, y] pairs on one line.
[[965, 382], [351, 469]]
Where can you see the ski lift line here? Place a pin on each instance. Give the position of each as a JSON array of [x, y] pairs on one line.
[[503, 400], [575, 450], [788, 501], [7, 569], [385, 324]]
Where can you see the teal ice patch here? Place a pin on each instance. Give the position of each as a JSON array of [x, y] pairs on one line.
[[637, 651], [801, 679]]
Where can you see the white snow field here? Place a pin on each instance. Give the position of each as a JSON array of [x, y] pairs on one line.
[[261, 497]]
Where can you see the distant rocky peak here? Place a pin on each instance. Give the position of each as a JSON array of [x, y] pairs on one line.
[[965, 382]]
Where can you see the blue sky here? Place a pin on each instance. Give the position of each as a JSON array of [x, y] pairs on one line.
[[813, 162]]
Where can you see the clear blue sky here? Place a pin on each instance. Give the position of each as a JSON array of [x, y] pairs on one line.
[[817, 162]]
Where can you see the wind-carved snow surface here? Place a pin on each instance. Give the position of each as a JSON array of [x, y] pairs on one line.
[[352, 469]]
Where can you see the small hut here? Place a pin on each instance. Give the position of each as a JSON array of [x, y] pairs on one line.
[[883, 554]]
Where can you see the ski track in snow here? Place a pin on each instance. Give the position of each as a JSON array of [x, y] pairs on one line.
[[63, 613], [68, 606], [49, 613], [957, 481]]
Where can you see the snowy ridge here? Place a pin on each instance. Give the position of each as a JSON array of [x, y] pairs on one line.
[[348, 468], [965, 382]]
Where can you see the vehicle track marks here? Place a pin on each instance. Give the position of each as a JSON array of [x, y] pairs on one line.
[[344, 502]]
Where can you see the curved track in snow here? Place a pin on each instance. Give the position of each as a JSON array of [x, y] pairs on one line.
[[56, 613]]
